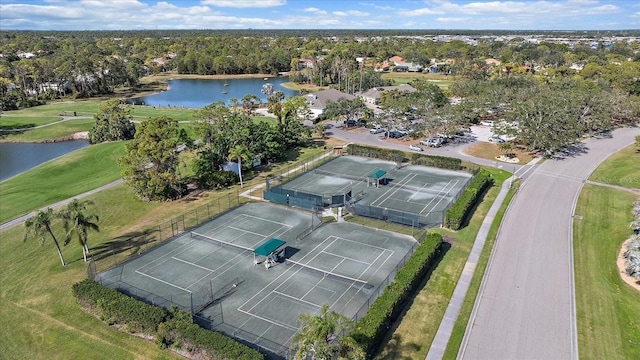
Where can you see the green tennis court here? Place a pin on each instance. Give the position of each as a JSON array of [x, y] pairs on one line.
[[214, 272]]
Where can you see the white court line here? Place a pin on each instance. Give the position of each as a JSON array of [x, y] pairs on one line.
[[439, 196], [394, 189], [322, 279], [175, 251], [346, 257], [162, 281], [439, 201], [418, 191], [295, 298], [284, 273], [249, 232], [277, 323], [361, 243], [267, 220], [192, 264]]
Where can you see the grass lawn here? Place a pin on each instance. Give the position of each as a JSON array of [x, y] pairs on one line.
[[489, 151], [622, 168], [607, 309], [59, 131], [413, 335], [82, 170], [35, 290], [8, 121]]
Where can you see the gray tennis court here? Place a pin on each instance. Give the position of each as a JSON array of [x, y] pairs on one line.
[[412, 195], [215, 273]]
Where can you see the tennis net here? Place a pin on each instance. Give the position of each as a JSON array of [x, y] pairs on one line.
[[344, 176], [219, 242], [419, 189], [325, 273]]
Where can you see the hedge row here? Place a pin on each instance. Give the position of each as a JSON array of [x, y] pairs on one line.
[[461, 208], [441, 162], [375, 152], [373, 326], [171, 328]]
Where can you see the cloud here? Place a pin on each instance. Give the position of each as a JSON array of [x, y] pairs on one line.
[[350, 13], [244, 3], [453, 19], [315, 11]]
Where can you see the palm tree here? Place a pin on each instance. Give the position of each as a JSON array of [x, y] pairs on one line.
[[239, 153], [319, 337], [76, 221], [39, 225]]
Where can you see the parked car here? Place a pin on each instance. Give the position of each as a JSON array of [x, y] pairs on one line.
[[432, 141], [395, 134], [376, 129], [496, 139], [486, 122], [351, 122], [415, 147]]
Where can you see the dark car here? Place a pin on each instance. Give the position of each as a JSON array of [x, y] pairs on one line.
[[395, 134], [351, 122]]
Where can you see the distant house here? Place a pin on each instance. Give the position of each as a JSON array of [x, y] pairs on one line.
[[318, 101], [411, 67], [396, 60], [372, 96], [305, 64]]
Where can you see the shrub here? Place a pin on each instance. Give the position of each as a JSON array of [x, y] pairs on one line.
[[374, 152], [172, 328], [461, 208], [373, 326], [441, 162], [116, 308]]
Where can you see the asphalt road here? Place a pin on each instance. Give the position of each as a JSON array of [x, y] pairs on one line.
[[525, 308]]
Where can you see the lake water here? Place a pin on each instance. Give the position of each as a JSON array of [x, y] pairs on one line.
[[197, 93], [18, 157]]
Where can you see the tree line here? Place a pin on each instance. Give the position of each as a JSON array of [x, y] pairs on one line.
[[38, 66]]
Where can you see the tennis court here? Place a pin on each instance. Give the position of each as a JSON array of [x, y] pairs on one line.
[[412, 195], [212, 272]]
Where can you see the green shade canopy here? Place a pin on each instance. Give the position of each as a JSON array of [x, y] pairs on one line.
[[268, 246], [377, 174]]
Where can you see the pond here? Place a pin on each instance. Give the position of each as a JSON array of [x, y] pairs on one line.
[[197, 93], [18, 157]]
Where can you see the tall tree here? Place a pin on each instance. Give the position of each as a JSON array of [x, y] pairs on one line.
[[39, 226], [112, 123], [76, 221], [240, 153], [151, 161], [320, 337]]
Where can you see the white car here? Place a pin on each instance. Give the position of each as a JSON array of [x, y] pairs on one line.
[[486, 122], [376, 130], [415, 147], [496, 139]]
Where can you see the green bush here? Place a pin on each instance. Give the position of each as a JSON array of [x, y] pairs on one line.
[[373, 326], [441, 162], [375, 152], [172, 329], [117, 308], [461, 208]]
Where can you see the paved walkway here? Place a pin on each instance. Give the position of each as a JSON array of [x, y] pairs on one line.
[[22, 218]]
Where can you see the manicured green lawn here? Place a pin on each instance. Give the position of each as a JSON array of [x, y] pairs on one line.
[[39, 314], [622, 168], [413, 335], [607, 309], [57, 131], [82, 170], [16, 122]]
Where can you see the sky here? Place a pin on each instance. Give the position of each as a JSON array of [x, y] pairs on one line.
[[319, 14]]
